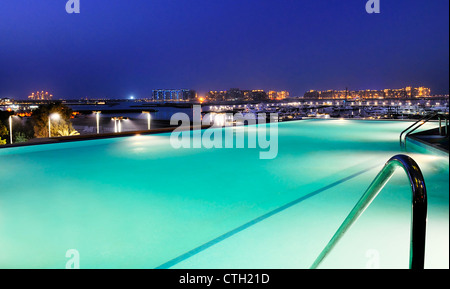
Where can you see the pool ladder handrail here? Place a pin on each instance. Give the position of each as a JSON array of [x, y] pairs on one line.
[[419, 209], [444, 116], [416, 125]]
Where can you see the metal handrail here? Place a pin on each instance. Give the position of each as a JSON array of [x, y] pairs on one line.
[[439, 116], [422, 121], [443, 116], [419, 209]]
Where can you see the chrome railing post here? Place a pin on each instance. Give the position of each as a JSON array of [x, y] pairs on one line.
[[419, 209], [420, 122]]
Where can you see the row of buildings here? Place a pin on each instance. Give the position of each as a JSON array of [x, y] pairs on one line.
[[234, 94], [407, 92], [40, 95], [179, 95]]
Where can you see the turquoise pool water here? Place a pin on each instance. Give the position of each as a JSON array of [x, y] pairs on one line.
[[136, 202]]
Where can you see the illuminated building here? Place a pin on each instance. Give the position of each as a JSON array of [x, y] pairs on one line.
[[257, 95], [408, 92], [5, 101], [312, 94], [40, 95], [395, 93], [168, 95], [217, 95], [272, 94], [235, 94], [278, 95], [419, 92]]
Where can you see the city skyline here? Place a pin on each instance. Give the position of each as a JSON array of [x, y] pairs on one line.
[[118, 49], [237, 94]]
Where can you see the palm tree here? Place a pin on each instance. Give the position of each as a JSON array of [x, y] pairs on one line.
[[67, 131]]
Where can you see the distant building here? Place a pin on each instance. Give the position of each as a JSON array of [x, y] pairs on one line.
[[278, 95], [257, 95], [168, 95], [395, 93], [236, 94], [217, 95], [312, 94], [40, 95], [418, 92], [5, 101]]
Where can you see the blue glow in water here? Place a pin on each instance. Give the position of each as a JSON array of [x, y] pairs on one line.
[[138, 203]]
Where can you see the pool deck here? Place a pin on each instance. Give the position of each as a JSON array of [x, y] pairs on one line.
[[432, 138]]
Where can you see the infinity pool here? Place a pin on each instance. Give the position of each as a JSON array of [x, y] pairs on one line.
[[136, 202]]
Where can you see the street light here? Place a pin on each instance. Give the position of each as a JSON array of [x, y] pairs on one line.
[[117, 124], [10, 130], [149, 117], [98, 120], [54, 116]]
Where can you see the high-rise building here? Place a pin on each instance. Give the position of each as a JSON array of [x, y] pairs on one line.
[[258, 95], [235, 94], [418, 92], [40, 95], [272, 94], [217, 95], [168, 95], [283, 95], [278, 95]]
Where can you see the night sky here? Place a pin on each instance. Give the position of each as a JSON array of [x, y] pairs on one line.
[[120, 48]]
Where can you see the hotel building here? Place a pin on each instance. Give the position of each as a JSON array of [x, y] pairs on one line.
[[408, 92], [173, 95]]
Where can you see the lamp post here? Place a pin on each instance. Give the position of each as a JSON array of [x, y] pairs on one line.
[[98, 120], [117, 124], [10, 130], [149, 117], [54, 116]]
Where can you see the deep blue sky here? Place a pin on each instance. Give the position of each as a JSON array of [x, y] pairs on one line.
[[118, 48]]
